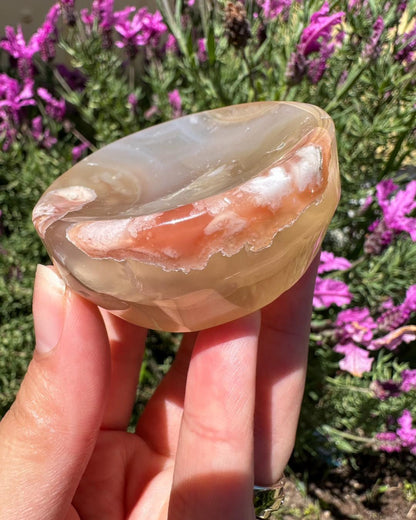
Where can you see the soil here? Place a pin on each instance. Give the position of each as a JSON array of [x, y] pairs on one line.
[[378, 489]]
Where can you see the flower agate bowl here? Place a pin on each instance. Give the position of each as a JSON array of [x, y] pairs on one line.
[[197, 221]]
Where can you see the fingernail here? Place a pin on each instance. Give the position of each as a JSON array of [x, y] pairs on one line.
[[48, 308]]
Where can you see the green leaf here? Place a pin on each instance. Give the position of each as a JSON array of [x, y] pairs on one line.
[[211, 45]]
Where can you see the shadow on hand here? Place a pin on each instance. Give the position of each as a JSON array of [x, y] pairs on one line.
[[226, 496]]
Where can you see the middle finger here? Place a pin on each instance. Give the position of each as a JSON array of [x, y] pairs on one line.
[[213, 475]]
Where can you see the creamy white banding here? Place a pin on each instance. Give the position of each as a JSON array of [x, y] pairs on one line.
[[55, 204], [268, 190], [228, 223], [308, 170]]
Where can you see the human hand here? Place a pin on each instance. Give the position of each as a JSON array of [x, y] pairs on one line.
[[223, 418]]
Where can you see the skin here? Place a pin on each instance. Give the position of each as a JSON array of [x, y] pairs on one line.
[[224, 417]]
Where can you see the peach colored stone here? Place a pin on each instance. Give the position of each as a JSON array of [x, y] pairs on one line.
[[197, 221]]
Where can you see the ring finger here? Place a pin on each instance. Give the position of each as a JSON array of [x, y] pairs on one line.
[[281, 372]]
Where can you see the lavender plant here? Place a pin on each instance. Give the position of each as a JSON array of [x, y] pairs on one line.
[[87, 77]]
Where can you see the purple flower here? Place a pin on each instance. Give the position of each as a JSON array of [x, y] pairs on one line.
[[273, 8], [202, 50], [151, 112], [385, 389], [15, 45], [392, 318], [79, 150], [393, 339], [366, 204], [388, 442], [87, 17], [13, 96], [55, 108], [73, 77], [296, 68], [384, 189], [133, 102], [408, 380], [37, 128], [46, 35], [396, 315], [318, 33], [359, 7], [356, 4], [102, 12], [129, 31], [395, 207], [13, 99], [410, 300], [7, 132], [175, 102], [356, 360], [406, 433], [315, 38], [330, 262], [356, 324], [171, 44], [41, 135], [43, 41], [317, 66], [329, 291], [68, 12], [379, 238], [372, 49], [144, 28], [407, 45], [153, 27], [132, 99]]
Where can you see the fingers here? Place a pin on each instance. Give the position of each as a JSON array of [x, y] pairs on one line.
[[48, 435], [127, 344], [214, 463], [163, 413], [281, 372]]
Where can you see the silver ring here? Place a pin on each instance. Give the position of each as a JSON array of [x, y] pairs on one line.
[[268, 500]]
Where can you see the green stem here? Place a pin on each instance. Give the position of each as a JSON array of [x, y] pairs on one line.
[[165, 9], [202, 5], [288, 88], [350, 388], [83, 139], [250, 76], [131, 75], [390, 166], [319, 326], [349, 436], [356, 262], [59, 78], [218, 88]]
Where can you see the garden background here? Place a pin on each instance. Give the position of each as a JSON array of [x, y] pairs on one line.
[[86, 77]]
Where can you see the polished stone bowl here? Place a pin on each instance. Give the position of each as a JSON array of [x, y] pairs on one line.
[[197, 221]]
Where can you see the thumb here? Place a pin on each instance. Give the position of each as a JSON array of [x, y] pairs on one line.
[[48, 435]]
